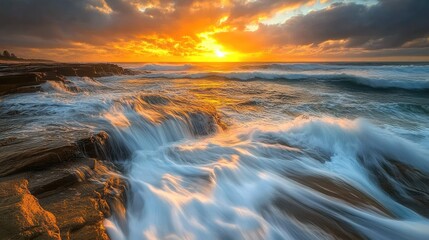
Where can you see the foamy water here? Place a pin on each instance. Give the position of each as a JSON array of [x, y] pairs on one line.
[[253, 151]]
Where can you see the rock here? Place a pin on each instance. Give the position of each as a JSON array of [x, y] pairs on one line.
[[101, 146], [313, 216], [13, 82], [22, 217], [76, 207], [66, 69], [7, 141], [95, 145], [90, 232], [15, 76], [405, 184], [35, 158], [89, 197], [62, 191], [310, 217], [204, 123], [61, 176], [22, 78], [342, 191]]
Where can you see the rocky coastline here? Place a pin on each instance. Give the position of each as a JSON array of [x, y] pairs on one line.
[[27, 77], [57, 190]]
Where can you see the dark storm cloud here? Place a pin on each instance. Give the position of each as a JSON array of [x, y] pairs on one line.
[[49, 17], [76, 19], [58, 23], [48, 20], [37, 23], [387, 24]]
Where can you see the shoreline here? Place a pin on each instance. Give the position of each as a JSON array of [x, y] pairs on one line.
[[27, 77], [118, 157], [61, 189]]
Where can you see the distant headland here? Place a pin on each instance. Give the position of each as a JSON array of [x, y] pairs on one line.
[[8, 56]]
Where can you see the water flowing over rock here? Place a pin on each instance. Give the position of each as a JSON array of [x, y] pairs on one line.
[[18, 78], [246, 151]]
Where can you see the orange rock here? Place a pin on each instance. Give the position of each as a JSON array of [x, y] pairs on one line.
[[21, 216]]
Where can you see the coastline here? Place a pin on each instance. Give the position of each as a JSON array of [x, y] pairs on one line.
[[61, 189], [27, 77], [180, 142]]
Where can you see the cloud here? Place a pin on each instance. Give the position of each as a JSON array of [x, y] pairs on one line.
[[98, 21], [49, 20], [248, 11], [387, 24], [186, 27]]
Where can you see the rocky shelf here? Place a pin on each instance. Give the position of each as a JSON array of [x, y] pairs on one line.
[[58, 191], [27, 77]]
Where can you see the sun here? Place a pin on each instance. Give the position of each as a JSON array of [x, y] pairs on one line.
[[219, 53]]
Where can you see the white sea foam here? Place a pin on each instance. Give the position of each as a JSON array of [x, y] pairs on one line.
[[162, 67], [375, 81], [376, 76], [218, 186], [210, 159]]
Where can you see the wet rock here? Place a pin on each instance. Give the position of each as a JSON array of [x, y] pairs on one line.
[[80, 194], [64, 187], [65, 69], [7, 141], [343, 191], [102, 146], [203, 123], [62, 176], [308, 215], [154, 99], [78, 206], [21, 216], [95, 145], [18, 82], [35, 158], [313, 218], [404, 183], [25, 77], [22, 78], [203, 120], [90, 232]]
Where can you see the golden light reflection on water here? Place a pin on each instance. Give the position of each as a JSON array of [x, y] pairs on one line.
[[117, 118], [213, 93], [213, 96], [148, 113]]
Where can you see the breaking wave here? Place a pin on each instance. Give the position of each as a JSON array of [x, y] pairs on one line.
[[306, 179], [409, 84], [212, 159], [73, 85], [392, 67], [162, 67]]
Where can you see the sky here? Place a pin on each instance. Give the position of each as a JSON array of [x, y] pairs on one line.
[[216, 30]]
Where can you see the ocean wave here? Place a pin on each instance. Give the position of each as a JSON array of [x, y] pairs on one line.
[[410, 68], [383, 83], [61, 87], [163, 67], [408, 84], [73, 85], [253, 178], [345, 137]]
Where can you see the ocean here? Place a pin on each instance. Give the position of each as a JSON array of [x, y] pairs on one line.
[[252, 150]]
